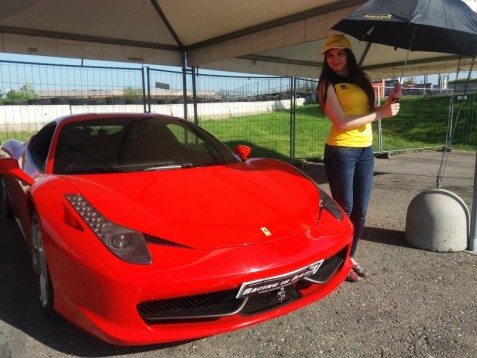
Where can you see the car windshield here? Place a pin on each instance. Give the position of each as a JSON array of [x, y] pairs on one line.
[[136, 144]]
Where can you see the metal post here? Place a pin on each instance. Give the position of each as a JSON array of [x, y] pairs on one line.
[[473, 233], [148, 88], [184, 83], [380, 128], [292, 116], [194, 95]]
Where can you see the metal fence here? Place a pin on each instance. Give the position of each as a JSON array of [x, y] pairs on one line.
[[277, 116]]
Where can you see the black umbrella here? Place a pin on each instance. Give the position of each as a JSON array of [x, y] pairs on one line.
[[448, 26]]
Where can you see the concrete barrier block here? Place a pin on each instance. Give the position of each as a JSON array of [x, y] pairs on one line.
[[438, 220]]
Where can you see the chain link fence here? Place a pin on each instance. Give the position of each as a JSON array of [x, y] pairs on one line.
[[277, 116]]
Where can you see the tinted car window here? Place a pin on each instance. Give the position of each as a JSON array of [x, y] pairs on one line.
[[40, 145], [129, 144]]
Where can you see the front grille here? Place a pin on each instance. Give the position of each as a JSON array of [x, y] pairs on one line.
[[225, 303], [328, 267], [210, 305]]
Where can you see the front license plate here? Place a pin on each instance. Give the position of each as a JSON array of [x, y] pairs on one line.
[[277, 282]]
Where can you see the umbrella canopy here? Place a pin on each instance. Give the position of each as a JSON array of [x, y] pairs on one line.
[[448, 26]]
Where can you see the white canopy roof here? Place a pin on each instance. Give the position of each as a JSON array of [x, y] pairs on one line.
[[275, 37]]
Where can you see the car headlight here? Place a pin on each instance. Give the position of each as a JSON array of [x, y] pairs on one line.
[[129, 245], [328, 204]]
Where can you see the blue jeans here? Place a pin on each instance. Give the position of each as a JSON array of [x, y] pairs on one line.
[[350, 176]]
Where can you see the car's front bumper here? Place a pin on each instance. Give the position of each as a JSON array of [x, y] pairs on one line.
[[187, 294]]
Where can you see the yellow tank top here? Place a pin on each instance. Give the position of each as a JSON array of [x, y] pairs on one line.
[[354, 101]]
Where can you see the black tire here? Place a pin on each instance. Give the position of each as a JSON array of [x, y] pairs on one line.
[[43, 283]]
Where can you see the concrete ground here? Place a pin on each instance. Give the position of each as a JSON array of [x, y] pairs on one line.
[[415, 303]]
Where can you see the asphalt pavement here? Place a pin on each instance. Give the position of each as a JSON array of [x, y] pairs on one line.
[[415, 303]]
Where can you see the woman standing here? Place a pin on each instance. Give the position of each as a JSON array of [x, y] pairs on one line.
[[346, 96]]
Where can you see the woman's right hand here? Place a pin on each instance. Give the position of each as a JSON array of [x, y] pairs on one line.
[[395, 94]]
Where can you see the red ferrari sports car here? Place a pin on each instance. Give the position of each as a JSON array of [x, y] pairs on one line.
[[146, 229]]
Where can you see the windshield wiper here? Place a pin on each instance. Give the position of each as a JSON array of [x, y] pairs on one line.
[[170, 166]]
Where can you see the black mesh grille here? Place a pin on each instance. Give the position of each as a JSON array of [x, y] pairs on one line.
[[198, 306]]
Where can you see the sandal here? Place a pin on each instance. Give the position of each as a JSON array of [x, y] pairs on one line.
[[360, 270], [352, 276]]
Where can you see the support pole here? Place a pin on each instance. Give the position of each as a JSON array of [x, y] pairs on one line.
[[184, 83], [473, 217], [194, 94]]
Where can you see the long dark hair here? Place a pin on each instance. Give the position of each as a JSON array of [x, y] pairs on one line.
[[355, 74]]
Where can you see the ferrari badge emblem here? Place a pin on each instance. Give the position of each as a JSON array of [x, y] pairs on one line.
[[265, 231]]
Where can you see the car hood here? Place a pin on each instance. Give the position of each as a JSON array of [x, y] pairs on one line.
[[207, 207]]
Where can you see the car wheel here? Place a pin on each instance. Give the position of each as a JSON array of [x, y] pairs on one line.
[[44, 286]]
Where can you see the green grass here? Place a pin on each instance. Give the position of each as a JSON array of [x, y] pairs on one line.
[[269, 134], [421, 123], [20, 135]]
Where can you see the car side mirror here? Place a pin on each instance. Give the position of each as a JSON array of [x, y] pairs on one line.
[[9, 166], [243, 151]]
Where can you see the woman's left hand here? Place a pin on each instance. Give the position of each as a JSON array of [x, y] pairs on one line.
[[388, 110]]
